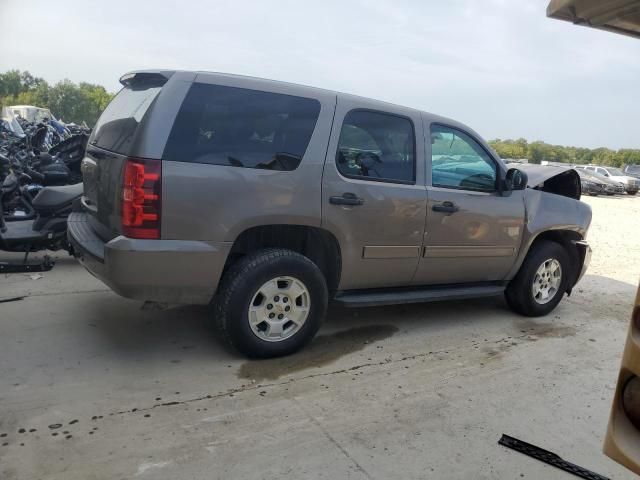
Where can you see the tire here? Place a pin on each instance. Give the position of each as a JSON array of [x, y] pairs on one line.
[[520, 291], [263, 281], [632, 193]]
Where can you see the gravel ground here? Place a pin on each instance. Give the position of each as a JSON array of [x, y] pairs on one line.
[[94, 387]]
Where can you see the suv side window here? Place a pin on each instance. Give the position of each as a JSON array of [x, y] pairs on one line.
[[377, 146], [602, 171], [242, 128], [459, 162]]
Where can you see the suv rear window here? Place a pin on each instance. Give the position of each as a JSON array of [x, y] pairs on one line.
[[242, 128], [116, 127]]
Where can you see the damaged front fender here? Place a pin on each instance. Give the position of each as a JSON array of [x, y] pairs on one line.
[[553, 211]]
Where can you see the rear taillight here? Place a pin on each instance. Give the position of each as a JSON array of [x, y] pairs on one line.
[[140, 208]]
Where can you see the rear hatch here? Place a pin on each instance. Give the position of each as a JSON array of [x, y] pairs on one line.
[[111, 146]]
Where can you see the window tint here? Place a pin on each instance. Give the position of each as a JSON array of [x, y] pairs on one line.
[[376, 146], [458, 161], [242, 128], [116, 127]]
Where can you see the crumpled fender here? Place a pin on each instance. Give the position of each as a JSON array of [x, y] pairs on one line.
[[545, 211]]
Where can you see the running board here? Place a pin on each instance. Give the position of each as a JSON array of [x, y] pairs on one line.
[[377, 297], [44, 266]]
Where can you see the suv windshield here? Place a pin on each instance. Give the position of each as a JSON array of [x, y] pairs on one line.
[[615, 172], [116, 127]]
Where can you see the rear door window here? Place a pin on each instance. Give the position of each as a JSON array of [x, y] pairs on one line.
[[117, 126], [242, 128]]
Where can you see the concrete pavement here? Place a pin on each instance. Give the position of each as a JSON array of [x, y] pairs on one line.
[[104, 389]]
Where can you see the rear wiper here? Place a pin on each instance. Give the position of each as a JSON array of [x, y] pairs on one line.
[[234, 161]]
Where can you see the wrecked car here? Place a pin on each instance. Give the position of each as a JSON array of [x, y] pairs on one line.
[[268, 200], [611, 187], [631, 184], [590, 184]]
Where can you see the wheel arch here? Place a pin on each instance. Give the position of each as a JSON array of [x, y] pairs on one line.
[[317, 244], [567, 239]]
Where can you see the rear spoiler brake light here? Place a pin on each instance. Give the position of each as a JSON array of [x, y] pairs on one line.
[[155, 77]]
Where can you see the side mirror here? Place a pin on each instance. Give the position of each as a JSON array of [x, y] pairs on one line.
[[515, 179]]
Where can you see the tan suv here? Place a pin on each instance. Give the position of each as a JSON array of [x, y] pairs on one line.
[[269, 199]]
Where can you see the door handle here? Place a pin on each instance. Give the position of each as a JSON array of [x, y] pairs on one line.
[[446, 207], [346, 199]]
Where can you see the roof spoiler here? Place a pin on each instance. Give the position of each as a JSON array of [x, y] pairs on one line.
[[157, 77]]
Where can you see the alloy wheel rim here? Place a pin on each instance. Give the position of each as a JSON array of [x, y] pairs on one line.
[[546, 281], [279, 309]]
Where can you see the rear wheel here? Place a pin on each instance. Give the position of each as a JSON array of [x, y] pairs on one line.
[[542, 280], [271, 303]]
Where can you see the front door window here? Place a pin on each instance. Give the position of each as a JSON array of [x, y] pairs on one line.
[[459, 162]]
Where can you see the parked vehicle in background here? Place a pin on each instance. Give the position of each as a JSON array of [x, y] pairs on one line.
[[632, 170], [631, 184], [590, 185], [31, 113], [611, 187], [268, 199]]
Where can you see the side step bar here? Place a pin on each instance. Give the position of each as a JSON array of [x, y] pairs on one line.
[[377, 297]]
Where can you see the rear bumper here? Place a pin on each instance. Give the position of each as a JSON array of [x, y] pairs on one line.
[[168, 271]]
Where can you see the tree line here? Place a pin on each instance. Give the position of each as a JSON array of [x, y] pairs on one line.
[[535, 152], [83, 102], [67, 101]]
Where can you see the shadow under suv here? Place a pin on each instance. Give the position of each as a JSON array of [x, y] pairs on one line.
[[269, 199]]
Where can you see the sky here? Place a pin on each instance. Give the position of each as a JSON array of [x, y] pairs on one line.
[[500, 66]]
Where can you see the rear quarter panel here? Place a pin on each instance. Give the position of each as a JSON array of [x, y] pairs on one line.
[[218, 202]]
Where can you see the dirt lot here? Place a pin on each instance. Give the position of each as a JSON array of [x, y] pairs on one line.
[[94, 387]]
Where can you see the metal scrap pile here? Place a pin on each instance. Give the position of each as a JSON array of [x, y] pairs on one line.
[[36, 150]]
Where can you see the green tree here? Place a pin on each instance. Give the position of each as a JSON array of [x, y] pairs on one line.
[[66, 100]]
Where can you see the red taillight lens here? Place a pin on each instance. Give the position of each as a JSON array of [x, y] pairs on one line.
[[140, 209]]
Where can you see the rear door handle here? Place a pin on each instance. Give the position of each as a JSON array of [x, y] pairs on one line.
[[446, 207], [347, 198]]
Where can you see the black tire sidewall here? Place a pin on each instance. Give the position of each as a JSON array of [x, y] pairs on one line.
[[246, 284], [519, 292]]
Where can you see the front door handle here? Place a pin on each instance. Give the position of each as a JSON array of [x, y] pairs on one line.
[[446, 207], [347, 198]]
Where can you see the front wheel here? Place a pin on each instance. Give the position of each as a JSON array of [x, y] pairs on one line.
[[271, 303], [542, 280]]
